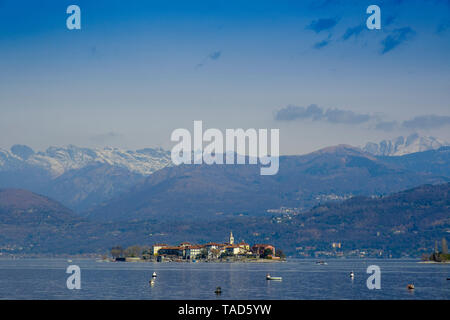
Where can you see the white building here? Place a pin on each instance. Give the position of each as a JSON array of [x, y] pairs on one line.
[[156, 247], [233, 249], [193, 252]]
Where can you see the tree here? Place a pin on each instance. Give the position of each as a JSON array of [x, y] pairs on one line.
[[117, 252], [444, 246], [215, 253], [280, 254], [267, 253], [133, 251], [226, 254], [203, 254], [146, 253]]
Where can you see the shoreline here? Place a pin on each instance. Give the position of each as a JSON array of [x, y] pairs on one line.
[[192, 262]]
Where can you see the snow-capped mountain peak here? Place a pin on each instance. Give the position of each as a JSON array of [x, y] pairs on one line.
[[58, 160], [401, 145]]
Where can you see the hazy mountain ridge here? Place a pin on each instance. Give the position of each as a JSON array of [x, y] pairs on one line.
[[113, 188], [420, 208], [31, 222], [404, 222], [78, 177], [215, 191], [435, 162]]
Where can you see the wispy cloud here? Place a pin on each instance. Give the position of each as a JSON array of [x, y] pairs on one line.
[[397, 37], [321, 44], [335, 115], [427, 122], [389, 20], [352, 32], [315, 113], [212, 56], [215, 55], [442, 27], [320, 25], [344, 116], [294, 112]]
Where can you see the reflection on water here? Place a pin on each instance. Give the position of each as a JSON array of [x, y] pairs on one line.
[[302, 279]]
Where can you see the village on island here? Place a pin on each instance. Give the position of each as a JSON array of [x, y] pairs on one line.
[[210, 252]]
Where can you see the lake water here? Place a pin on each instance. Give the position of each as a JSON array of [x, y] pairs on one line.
[[302, 279]]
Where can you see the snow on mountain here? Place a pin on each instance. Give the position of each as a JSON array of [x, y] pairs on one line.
[[401, 145], [8, 160], [58, 160]]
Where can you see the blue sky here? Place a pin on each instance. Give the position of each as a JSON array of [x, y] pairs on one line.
[[137, 70]]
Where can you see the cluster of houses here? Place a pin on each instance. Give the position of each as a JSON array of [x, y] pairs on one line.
[[212, 250]]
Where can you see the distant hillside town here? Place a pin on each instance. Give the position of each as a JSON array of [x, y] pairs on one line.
[[212, 251]]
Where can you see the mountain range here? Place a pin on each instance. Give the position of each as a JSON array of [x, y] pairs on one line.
[[404, 145], [214, 191], [58, 160], [78, 200], [78, 177], [112, 184], [34, 223], [406, 222]]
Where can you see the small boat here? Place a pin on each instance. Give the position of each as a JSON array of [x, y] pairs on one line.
[[322, 263], [352, 274], [218, 290], [69, 260], [410, 286], [154, 275], [269, 277]]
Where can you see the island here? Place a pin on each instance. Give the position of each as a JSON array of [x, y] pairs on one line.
[[209, 252], [437, 256]]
